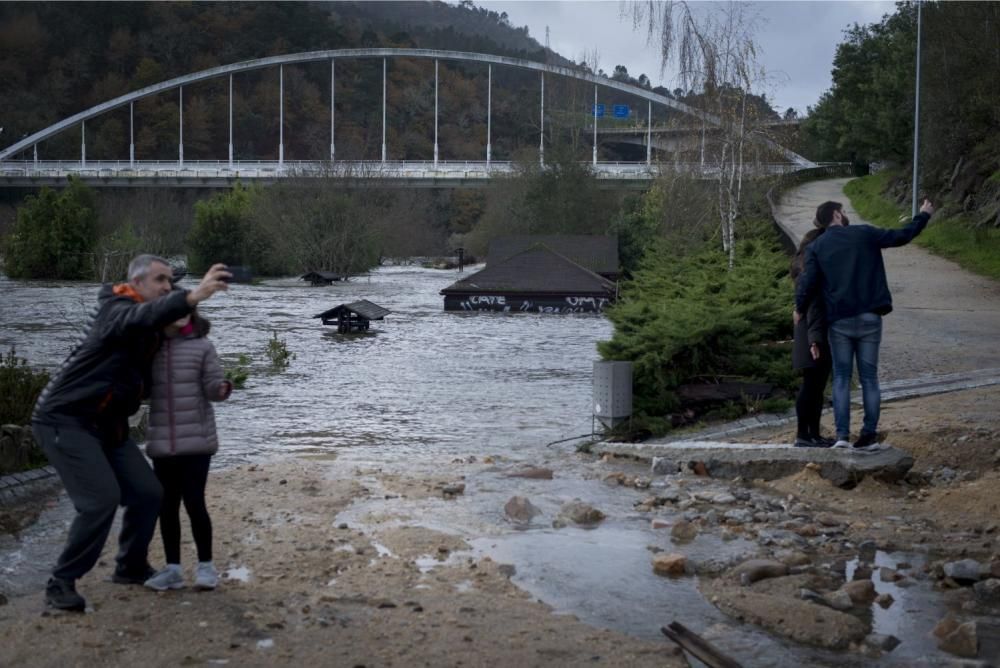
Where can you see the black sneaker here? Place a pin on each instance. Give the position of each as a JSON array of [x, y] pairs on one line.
[[870, 442], [61, 595], [132, 577], [811, 442]]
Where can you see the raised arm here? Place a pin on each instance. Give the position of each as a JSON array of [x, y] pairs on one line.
[[904, 235]]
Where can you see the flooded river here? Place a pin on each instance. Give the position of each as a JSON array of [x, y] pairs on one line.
[[425, 387]]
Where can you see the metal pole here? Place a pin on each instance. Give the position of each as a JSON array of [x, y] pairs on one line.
[[541, 134], [281, 114], [83, 143], [180, 130], [916, 117], [595, 125], [34, 148], [703, 147], [489, 112], [230, 120], [383, 109], [131, 134], [435, 112], [649, 134], [333, 93]]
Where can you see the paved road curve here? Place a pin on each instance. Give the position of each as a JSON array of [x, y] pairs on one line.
[[945, 319]]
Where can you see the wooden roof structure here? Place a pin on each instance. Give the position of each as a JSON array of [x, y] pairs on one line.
[[537, 270], [363, 308], [321, 277], [599, 254]]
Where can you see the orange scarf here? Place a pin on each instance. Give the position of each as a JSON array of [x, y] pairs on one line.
[[126, 290]]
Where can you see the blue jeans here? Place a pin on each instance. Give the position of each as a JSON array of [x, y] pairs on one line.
[[858, 336]]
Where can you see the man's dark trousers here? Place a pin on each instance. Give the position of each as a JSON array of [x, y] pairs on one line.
[[98, 479]]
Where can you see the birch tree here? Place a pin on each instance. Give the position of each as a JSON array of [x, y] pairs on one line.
[[715, 56]]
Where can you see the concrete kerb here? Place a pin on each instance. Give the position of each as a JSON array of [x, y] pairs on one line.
[[769, 461], [16, 485]]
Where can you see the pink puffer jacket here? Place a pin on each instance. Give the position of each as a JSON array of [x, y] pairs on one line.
[[187, 377]]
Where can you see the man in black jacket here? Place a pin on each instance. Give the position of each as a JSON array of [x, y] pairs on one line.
[[81, 423], [845, 264]]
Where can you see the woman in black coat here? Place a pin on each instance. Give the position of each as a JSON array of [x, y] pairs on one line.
[[811, 355]]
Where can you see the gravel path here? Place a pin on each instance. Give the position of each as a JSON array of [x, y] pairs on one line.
[[945, 319]]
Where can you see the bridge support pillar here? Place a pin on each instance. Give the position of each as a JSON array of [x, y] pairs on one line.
[[489, 114], [333, 93], [435, 112], [83, 143], [35, 151], [180, 128], [230, 121], [383, 109], [281, 115], [131, 134], [595, 125], [649, 134], [541, 124]]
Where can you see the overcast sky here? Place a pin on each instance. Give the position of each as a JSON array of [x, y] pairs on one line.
[[798, 39]]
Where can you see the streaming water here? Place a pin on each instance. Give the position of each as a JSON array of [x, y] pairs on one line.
[[426, 386]]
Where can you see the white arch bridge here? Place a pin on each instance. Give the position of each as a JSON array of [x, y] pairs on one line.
[[434, 172]]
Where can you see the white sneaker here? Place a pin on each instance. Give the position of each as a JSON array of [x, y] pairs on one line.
[[206, 576], [841, 443], [169, 578]]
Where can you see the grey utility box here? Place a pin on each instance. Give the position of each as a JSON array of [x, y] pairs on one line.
[[612, 392]]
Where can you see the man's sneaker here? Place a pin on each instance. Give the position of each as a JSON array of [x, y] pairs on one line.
[[206, 577], [124, 576], [871, 442], [61, 595], [812, 442], [169, 578], [841, 443]]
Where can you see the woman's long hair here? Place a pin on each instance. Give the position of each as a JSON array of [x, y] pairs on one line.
[[798, 262]]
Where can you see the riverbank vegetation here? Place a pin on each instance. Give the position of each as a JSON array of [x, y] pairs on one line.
[[952, 233], [867, 116]]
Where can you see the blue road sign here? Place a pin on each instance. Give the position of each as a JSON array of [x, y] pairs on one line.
[[622, 111], [598, 110]]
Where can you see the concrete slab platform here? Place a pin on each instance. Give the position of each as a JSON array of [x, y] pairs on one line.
[[841, 467]]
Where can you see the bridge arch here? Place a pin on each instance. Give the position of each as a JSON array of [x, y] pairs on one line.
[[315, 56]]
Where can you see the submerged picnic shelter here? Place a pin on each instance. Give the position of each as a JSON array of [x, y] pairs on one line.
[[353, 317], [597, 253], [534, 280]]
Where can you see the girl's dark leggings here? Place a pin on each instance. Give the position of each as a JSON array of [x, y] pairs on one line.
[[809, 404], [183, 478]]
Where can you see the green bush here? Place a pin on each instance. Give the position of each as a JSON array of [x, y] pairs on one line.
[[689, 319], [238, 372], [53, 236], [20, 386], [277, 351], [223, 231]]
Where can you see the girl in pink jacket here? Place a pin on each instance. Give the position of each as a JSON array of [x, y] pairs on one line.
[[187, 377]]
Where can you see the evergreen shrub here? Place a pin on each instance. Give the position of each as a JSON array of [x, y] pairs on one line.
[[20, 386], [689, 319]]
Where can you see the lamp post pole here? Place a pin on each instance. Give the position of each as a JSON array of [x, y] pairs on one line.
[[916, 118]]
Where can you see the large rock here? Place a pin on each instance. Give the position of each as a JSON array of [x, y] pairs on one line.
[[683, 532], [862, 592], [670, 564], [578, 512], [754, 461], [963, 641], [988, 591], [521, 510], [789, 617], [754, 570], [964, 572]]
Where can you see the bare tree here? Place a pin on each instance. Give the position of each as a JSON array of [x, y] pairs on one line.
[[716, 57]]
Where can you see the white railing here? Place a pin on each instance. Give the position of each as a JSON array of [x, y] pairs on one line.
[[396, 169]]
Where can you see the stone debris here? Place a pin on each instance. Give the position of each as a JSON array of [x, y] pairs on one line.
[[754, 570], [577, 512], [520, 509], [670, 564]]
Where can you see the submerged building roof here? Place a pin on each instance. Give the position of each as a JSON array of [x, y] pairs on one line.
[[599, 254], [536, 270], [363, 308]]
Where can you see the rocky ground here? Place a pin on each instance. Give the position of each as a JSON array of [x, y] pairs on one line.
[[310, 581]]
